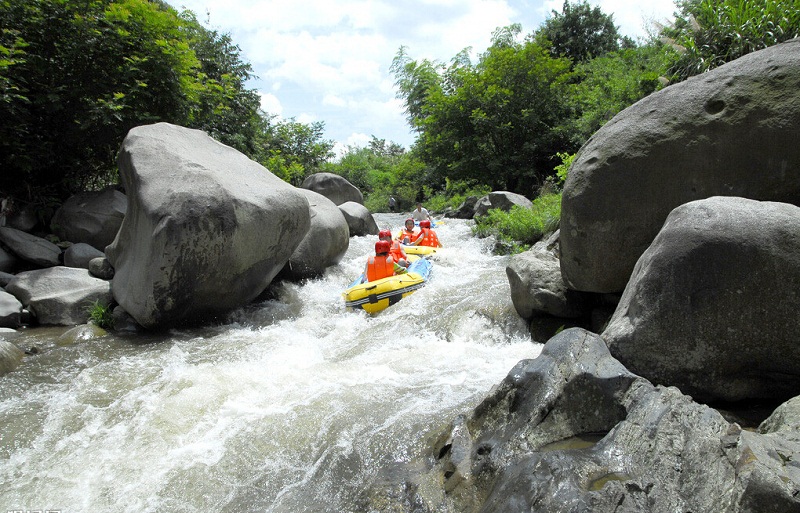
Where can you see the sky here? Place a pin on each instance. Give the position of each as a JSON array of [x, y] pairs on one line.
[[329, 60]]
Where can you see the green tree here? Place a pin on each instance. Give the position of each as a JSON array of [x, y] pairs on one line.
[[709, 33], [82, 74], [580, 32], [497, 122], [606, 85], [381, 170], [225, 108], [76, 76], [292, 150]]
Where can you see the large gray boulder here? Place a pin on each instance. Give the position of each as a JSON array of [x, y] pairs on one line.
[[92, 217], [202, 218], [502, 200], [730, 132], [711, 306], [359, 221], [574, 431], [30, 248], [10, 357], [60, 295], [325, 243], [334, 187], [10, 311]]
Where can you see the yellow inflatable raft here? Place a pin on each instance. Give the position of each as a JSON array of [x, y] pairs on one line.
[[419, 250], [377, 295]]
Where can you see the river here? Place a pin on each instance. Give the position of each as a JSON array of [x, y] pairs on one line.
[[292, 404]]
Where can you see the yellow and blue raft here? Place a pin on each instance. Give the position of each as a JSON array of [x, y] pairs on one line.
[[375, 296]]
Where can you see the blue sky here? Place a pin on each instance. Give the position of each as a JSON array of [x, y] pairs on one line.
[[328, 60]]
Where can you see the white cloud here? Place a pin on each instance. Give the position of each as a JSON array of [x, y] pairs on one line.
[[271, 104]]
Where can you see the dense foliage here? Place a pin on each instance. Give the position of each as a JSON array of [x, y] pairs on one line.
[[76, 76], [498, 121], [709, 33]]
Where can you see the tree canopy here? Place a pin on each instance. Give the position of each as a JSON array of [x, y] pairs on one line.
[[76, 76], [580, 32]]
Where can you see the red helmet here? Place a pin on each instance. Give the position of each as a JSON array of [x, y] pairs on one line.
[[409, 220], [385, 233], [425, 224], [382, 246]]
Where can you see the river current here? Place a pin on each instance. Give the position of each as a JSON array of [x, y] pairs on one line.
[[292, 404]]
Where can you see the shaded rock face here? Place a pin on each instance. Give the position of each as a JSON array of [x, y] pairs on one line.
[[730, 132], [92, 217], [574, 431], [359, 221], [80, 254], [30, 248], [8, 262], [59, 295], [711, 306], [334, 187], [467, 209], [537, 287], [503, 200], [201, 218], [325, 243]]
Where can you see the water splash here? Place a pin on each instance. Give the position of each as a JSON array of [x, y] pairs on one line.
[[291, 405]]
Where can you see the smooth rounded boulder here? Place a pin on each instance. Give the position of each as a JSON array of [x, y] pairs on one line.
[[325, 243], [502, 200], [60, 296], [334, 187], [80, 254], [730, 132], [92, 217], [711, 307], [201, 218], [359, 220]]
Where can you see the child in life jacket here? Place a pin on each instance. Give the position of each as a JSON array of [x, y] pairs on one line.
[[408, 234], [381, 265], [396, 251], [427, 236]]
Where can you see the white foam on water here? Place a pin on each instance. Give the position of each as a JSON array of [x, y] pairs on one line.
[[293, 405]]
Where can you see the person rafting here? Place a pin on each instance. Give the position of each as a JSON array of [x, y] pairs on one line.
[[381, 265], [408, 233], [427, 237], [396, 250], [420, 213]]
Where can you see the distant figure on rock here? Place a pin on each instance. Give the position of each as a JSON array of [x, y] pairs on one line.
[[392, 204]]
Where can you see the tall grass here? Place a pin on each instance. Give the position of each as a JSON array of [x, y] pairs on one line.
[[710, 33], [519, 228]]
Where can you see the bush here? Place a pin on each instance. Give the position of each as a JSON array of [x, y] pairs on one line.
[[101, 315], [519, 228]]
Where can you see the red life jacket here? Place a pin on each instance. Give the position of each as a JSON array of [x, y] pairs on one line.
[[430, 238], [397, 252], [412, 235], [379, 266]]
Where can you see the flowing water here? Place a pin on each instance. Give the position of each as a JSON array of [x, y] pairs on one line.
[[293, 404]]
